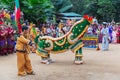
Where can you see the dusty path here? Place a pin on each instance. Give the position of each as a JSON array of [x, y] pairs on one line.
[[99, 65]]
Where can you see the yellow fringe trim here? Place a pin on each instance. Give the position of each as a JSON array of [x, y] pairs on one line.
[[90, 39], [71, 41], [51, 45], [83, 31], [55, 52], [79, 35], [38, 53], [61, 44], [79, 55], [74, 50]]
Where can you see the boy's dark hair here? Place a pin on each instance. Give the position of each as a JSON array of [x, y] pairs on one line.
[[24, 28]]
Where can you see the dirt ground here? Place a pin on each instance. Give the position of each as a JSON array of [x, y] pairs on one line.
[[98, 65]]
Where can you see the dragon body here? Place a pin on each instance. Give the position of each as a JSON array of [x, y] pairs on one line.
[[71, 40]]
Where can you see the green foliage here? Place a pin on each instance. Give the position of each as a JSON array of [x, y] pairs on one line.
[[102, 9], [40, 10], [37, 10], [78, 6], [34, 10], [62, 5], [9, 4], [107, 12], [116, 4]]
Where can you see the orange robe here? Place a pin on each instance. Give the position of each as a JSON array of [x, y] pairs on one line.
[[22, 51]]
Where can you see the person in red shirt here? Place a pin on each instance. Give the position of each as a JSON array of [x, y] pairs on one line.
[[118, 33]]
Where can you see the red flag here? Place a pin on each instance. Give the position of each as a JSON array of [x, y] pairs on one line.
[[17, 16]]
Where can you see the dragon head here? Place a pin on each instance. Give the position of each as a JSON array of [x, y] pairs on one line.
[[89, 18]]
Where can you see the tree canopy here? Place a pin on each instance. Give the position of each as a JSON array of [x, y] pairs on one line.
[[104, 10], [40, 10], [34, 10]]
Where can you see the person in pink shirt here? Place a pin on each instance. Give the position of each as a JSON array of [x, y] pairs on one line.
[[118, 33]]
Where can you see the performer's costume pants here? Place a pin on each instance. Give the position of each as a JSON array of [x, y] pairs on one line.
[[23, 63]]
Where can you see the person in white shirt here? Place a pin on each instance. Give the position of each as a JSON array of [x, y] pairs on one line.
[[105, 37]]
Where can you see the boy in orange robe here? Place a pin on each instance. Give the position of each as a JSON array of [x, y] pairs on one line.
[[22, 51]]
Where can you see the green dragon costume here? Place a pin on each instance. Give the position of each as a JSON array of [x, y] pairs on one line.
[[71, 40]]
